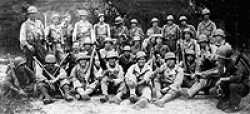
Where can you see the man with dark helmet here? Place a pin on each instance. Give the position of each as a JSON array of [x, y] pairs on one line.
[[52, 80], [19, 79]]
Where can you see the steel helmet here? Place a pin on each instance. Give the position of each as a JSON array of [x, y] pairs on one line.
[[82, 56], [83, 12], [205, 11], [32, 9], [127, 48], [19, 61], [170, 17], [154, 20], [55, 15], [189, 52], [118, 20], [112, 54], [219, 32], [202, 38], [182, 18], [170, 55], [136, 38], [134, 21], [187, 30], [100, 15], [50, 58], [88, 41], [224, 51], [140, 54]]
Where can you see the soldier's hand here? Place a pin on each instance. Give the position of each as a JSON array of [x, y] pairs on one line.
[[218, 82]]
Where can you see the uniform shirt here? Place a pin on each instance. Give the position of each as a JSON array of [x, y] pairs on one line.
[[116, 32], [174, 76], [30, 32], [102, 30], [206, 28], [126, 62], [54, 33], [190, 44], [79, 73], [67, 31], [154, 30], [171, 31], [136, 74], [117, 72], [82, 30], [136, 31]]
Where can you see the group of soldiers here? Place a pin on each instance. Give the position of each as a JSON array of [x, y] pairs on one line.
[[77, 62]]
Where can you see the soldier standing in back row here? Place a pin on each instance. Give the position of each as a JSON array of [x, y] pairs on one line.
[[171, 33], [135, 30], [102, 31], [184, 25], [83, 29], [206, 26], [31, 37], [155, 29]]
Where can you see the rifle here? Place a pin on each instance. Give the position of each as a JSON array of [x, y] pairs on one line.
[[50, 75], [91, 64], [138, 76]]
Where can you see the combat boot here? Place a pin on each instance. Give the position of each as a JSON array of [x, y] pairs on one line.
[[133, 99], [85, 97], [68, 97], [142, 103], [116, 100], [104, 99]]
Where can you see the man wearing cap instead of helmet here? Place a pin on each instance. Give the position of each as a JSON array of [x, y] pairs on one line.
[[135, 30], [102, 30], [127, 58], [155, 29], [83, 29], [19, 79], [171, 33], [80, 77], [31, 36], [120, 31], [52, 80], [138, 81], [87, 46], [169, 83], [183, 25], [113, 80], [206, 26], [108, 47], [232, 81]]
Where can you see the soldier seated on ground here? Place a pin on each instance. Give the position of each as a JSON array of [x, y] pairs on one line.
[[126, 58], [113, 79], [137, 78], [20, 79], [80, 77], [52, 80], [170, 81], [108, 46]]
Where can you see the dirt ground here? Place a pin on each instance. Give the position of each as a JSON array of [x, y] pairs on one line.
[[199, 105]]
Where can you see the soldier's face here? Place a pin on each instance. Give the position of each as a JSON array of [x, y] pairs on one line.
[[190, 58], [126, 53], [187, 36], [141, 62], [206, 17], [84, 63], [56, 20], [112, 61], [155, 24], [97, 63], [83, 17], [158, 40], [87, 46], [101, 19], [33, 16], [170, 63], [183, 22], [170, 22], [133, 25], [108, 45], [203, 44]]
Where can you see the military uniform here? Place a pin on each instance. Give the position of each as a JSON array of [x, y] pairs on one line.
[[31, 37], [83, 30], [51, 87], [206, 28], [171, 33], [102, 31], [21, 82], [169, 83], [67, 30], [126, 60], [136, 31]]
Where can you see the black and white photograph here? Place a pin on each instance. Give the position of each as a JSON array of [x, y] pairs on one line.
[[124, 57]]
